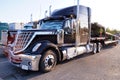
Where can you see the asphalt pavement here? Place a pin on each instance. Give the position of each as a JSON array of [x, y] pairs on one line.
[[101, 66]]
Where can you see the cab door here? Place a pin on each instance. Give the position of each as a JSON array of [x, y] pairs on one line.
[[69, 32]]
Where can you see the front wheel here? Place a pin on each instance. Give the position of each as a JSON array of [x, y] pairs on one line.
[[48, 61]]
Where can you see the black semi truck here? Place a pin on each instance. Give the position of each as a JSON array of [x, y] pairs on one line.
[[59, 38]]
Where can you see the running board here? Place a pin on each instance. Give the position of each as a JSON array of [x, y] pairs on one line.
[[70, 52]]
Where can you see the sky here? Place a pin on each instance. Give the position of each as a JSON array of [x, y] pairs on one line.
[[105, 12]]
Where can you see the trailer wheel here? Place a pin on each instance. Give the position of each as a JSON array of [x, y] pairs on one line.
[[94, 48], [99, 46], [48, 61]]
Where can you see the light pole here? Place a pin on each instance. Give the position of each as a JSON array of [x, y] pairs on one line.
[[31, 18]]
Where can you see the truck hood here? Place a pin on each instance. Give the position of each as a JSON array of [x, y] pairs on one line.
[[21, 39]]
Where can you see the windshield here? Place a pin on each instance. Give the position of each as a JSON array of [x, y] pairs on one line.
[[52, 24]]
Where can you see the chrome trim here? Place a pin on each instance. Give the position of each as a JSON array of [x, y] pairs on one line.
[[60, 36], [22, 41], [64, 54], [31, 61], [27, 39], [35, 48]]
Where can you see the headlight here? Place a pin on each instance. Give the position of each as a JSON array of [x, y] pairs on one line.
[[35, 48]]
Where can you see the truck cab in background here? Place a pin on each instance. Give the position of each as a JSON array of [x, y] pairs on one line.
[[3, 26]]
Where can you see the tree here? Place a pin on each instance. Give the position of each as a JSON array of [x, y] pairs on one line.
[[108, 30], [114, 31]]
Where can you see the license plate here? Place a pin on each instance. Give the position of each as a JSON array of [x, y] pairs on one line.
[[24, 67]]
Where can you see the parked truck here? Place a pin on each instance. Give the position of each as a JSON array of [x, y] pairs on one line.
[[61, 36], [3, 26]]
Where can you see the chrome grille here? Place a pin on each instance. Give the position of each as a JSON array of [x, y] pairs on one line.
[[22, 40]]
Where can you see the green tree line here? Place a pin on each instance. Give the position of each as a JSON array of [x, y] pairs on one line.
[[113, 31]]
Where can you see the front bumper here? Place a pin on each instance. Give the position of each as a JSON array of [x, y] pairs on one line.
[[24, 61]]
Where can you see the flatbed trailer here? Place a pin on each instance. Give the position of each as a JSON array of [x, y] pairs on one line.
[[111, 39], [97, 35]]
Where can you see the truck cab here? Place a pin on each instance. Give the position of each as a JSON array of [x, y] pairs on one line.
[[61, 36], [65, 29]]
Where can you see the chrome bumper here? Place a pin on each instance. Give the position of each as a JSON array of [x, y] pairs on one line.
[[26, 62]]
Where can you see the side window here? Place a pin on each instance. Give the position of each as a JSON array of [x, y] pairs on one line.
[[67, 27], [69, 33]]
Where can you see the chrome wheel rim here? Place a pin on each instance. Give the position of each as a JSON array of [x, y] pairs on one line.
[[49, 61]]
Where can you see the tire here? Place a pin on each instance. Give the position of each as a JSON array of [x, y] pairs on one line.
[[99, 46], [48, 61], [94, 48]]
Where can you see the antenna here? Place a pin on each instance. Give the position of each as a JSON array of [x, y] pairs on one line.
[[31, 18], [50, 10]]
